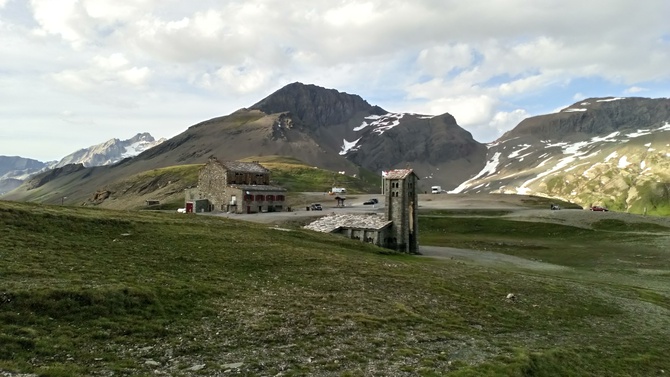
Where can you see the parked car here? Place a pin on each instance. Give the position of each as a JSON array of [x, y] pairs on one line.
[[599, 208], [372, 201], [315, 207]]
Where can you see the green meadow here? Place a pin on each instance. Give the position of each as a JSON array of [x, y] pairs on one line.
[[92, 292]]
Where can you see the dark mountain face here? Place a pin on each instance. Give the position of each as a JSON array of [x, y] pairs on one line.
[[427, 144], [315, 106], [594, 116], [331, 130]]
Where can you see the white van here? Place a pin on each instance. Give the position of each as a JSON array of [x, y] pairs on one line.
[[436, 189]]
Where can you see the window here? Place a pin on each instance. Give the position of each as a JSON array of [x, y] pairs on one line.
[[270, 198], [248, 198], [260, 198], [280, 198]]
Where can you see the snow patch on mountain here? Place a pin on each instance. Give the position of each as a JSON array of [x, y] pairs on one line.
[[111, 151], [517, 152], [611, 156], [349, 146], [610, 138], [489, 169], [639, 133], [380, 123], [623, 162]]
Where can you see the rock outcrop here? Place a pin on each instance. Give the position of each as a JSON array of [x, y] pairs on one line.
[[316, 106]]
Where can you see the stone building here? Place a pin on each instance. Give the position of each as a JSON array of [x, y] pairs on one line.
[[397, 229], [369, 228], [401, 201], [237, 187]]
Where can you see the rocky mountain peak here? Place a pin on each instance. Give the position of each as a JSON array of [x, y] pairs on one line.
[[595, 116], [111, 151], [315, 105]]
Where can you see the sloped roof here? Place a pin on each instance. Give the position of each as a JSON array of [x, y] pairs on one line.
[[328, 224], [398, 173], [244, 167], [258, 188]]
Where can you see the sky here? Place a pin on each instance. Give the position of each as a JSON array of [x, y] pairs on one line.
[[74, 73]]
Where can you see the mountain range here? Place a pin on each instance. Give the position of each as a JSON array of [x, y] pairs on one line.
[[15, 170], [607, 151]]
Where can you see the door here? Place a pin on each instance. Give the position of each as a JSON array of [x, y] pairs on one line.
[[189, 207]]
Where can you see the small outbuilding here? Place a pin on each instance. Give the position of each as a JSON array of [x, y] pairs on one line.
[[397, 229]]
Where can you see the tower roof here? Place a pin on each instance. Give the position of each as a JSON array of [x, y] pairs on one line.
[[398, 173]]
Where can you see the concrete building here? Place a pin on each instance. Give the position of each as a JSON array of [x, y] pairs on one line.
[[237, 187], [397, 229]]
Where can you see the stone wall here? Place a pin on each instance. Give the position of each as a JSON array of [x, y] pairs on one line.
[[244, 205], [212, 182], [401, 198]]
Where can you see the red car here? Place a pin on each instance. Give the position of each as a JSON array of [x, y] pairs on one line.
[[599, 208]]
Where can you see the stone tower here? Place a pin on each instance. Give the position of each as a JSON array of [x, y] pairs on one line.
[[402, 198]]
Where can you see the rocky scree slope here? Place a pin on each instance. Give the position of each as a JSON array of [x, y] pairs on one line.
[[601, 151]]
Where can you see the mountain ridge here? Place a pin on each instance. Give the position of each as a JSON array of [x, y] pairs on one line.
[[532, 158], [607, 157], [15, 170]]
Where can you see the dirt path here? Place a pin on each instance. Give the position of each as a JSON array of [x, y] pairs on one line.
[[486, 258]]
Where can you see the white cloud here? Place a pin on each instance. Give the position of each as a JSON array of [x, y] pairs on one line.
[[440, 60], [487, 63], [59, 18], [242, 79], [111, 62], [635, 89], [136, 76], [505, 121]]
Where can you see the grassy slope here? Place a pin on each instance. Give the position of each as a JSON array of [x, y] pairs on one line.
[[296, 176], [168, 184], [86, 292]]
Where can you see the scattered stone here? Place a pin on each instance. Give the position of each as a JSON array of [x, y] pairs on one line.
[[97, 359], [152, 363], [197, 367], [511, 296], [232, 366], [125, 234]]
